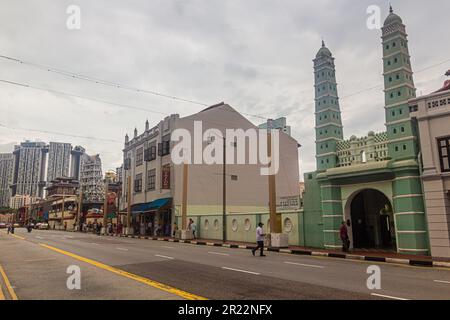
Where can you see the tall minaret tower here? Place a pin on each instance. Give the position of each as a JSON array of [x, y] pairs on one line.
[[399, 88], [328, 115]]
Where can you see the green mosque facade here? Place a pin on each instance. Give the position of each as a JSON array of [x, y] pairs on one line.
[[373, 181]]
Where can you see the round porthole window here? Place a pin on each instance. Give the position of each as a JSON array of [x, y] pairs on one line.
[[216, 224], [247, 224], [206, 224], [234, 225], [287, 225]]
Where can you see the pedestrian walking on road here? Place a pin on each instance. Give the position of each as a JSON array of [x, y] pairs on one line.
[[343, 233], [259, 240]]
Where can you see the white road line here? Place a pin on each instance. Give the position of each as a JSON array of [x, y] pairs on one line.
[[304, 265], [389, 297], [166, 257], [442, 281], [37, 237], [219, 253], [123, 249], [239, 270], [94, 243], [168, 247]]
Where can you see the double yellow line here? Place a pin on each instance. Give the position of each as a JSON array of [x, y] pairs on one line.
[[8, 286]]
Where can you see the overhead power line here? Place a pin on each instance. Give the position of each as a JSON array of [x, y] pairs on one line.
[[100, 81], [60, 134]]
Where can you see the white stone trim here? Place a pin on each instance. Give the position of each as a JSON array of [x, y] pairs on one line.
[[407, 196], [398, 69], [331, 246], [331, 201], [327, 139], [329, 124], [408, 213], [411, 232], [406, 178], [326, 154], [331, 231], [332, 216], [399, 86], [397, 121], [413, 250], [330, 186], [389, 106], [403, 139]]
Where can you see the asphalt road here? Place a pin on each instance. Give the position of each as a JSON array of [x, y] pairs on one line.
[[39, 272]]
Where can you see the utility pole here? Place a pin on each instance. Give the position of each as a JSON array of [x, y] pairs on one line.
[[128, 203], [105, 207], [224, 191], [275, 220], [63, 205], [80, 200], [184, 199]]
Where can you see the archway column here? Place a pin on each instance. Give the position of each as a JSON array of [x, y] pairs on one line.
[[332, 215], [409, 213]]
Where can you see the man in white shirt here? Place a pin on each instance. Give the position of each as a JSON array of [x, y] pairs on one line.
[[259, 240]]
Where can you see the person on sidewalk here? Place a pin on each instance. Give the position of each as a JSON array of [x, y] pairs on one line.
[[343, 233], [194, 228], [259, 240]]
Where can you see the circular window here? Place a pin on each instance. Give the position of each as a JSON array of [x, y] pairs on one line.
[[287, 225], [234, 225], [247, 224], [206, 224], [216, 224]]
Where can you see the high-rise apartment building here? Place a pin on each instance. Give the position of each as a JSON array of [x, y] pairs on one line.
[[59, 155], [6, 173], [29, 169]]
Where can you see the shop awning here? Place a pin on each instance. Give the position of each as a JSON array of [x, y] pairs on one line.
[[150, 206]]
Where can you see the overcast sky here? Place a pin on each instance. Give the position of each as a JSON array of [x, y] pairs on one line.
[[255, 55]]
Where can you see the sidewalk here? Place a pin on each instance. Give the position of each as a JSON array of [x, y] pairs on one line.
[[378, 256]]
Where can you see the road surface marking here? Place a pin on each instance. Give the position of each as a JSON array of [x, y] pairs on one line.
[[442, 281], [123, 249], [38, 260], [389, 297], [8, 284], [168, 247], [219, 253], [2, 296], [37, 237], [149, 282], [239, 270], [18, 237], [94, 243], [166, 257], [304, 265]]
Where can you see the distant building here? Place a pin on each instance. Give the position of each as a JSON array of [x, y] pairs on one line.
[[111, 176], [75, 162], [279, 123], [29, 169], [19, 201], [91, 180], [62, 198], [59, 155], [432, 113], [6, 175]]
